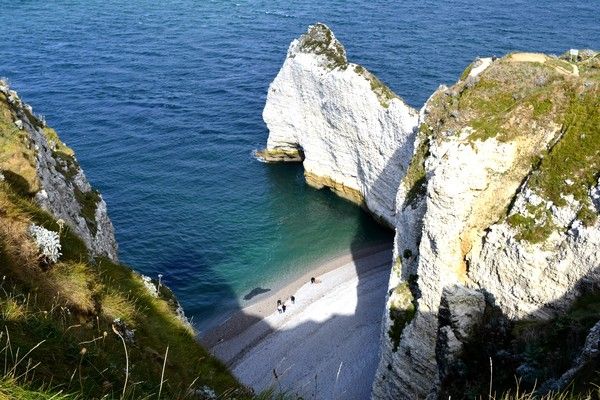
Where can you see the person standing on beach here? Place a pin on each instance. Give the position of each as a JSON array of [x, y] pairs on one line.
[[279, 308], [284, 307], [312, 280], [293, 299]]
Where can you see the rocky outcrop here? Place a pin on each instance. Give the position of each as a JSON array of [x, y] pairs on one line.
[[38, 162], [589, 355], [494, 198], [354, 135], [496, 141]]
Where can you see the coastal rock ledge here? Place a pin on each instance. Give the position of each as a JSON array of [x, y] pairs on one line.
[[493, 190]]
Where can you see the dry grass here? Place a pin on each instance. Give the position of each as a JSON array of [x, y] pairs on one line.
[[18, 245], [73, 283], [16, 154], [117, 306]]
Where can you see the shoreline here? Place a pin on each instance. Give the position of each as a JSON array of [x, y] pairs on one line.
[[263, 305], [325, 345]]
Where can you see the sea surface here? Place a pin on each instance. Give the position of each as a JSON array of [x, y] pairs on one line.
[[162, 102]]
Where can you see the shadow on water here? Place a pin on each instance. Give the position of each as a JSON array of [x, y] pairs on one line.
[[336, 357], [332, 357]]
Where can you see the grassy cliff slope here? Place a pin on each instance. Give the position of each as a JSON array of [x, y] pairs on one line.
[[83, 327]]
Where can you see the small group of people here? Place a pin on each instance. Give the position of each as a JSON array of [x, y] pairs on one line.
[[281, 307]]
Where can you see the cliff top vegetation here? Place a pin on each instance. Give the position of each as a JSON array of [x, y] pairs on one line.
[[524, 98]]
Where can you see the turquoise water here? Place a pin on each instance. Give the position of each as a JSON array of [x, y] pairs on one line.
[[162, 102]]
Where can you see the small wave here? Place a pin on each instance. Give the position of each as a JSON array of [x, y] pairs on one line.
[[257, 157], [279, 14]]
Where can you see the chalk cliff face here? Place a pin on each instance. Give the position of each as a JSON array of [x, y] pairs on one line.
[[506, 208], [49, 171], [354, 135], [494, 198]]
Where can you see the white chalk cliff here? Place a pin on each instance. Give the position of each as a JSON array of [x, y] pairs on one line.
[[355, 135], [494, 197]]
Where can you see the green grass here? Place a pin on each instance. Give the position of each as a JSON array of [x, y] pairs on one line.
[[64, 155], [590, 68], [549, 347], [15, 155], [562, 64], [504, 92], [541, 107], [64, 313], [571, 167], [274, 394], [14, 390], [566, 394], [384, 94], [576, 157], [520, 103], [466, 72], [491, 104], [73, 247], [60, 147], [64, 306]]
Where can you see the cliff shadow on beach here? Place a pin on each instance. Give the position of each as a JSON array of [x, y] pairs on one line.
[[335, 354], [327, 347]]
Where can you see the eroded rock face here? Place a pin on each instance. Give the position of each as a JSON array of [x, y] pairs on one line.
[[494, 198], [490, 217], [355, 135], [58, 183]]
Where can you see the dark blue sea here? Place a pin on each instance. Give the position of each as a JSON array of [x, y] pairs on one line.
[[162, 102]]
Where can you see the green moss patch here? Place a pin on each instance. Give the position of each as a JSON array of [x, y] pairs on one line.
[[402, 311], [320, 40], [415, 180], [66, 164], [535, 228]]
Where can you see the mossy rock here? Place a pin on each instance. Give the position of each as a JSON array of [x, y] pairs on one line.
[[402, 311], [415, 180], [320, 40]]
